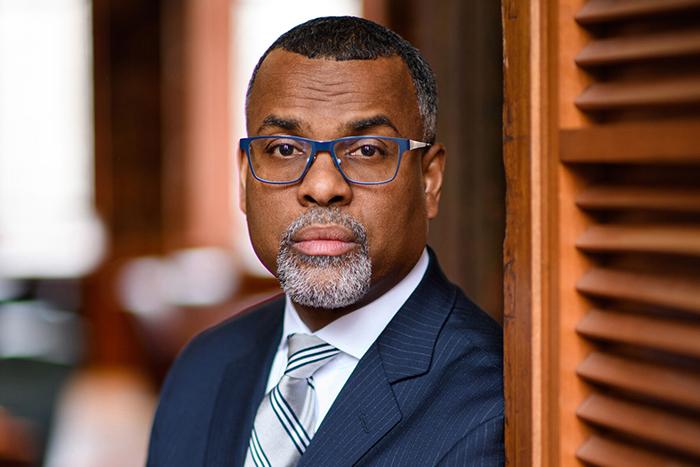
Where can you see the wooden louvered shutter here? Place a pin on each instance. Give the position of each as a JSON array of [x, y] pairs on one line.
[[608, 299]]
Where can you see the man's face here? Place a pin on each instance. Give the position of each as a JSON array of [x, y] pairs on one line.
[[326, 99]]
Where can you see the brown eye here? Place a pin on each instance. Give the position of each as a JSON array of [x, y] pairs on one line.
[[368, 150], [286, 149]]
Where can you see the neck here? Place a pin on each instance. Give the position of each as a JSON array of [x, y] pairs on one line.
[[317, 318]]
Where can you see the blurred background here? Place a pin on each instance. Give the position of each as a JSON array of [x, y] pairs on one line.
[[120, 236]]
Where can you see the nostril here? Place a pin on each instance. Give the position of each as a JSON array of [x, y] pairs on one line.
[[336, 200]]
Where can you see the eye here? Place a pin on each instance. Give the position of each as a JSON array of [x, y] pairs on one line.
[[368, 150], [365, 150], [284, 149]]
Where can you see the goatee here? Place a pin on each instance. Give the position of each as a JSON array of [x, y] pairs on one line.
[[326, 282]]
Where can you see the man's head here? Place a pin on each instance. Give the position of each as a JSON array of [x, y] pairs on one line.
[[331, 242]]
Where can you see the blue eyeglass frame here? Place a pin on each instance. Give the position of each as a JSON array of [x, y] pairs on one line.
[[405, 145]]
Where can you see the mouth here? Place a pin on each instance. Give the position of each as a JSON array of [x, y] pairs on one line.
[[324, 240]]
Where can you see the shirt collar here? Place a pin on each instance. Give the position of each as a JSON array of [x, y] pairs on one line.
[[355, 332]]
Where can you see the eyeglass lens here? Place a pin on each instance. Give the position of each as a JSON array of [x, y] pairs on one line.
[[362, 159]]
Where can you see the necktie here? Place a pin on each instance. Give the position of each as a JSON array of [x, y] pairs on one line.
[[285, 421]]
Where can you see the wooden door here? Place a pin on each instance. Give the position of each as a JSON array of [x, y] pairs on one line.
[[602, 253]]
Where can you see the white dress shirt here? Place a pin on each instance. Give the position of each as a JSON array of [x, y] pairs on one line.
[[352, 334]]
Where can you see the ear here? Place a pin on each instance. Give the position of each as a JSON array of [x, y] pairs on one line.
[[433, 165], [242, 179]]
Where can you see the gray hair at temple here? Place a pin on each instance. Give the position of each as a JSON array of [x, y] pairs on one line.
[[352, 38]]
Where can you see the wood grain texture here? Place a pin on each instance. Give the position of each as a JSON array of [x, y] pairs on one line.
[[604, 452], [674, 385], [517, 252], [618, 50], [637, 142], [681, 293], [647, 423], [638, 160], [603, 11], [616, 197], [679, 337], [674, 239], [649, 93]]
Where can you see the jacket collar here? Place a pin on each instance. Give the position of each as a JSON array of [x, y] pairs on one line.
[[406, 345]]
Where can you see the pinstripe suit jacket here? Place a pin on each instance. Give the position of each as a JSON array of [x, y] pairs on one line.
[[428, 392]]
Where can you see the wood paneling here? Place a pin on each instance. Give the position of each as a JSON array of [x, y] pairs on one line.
[[616, 197], [681, 293], [613, 195], [668, 335], [664, 142], [522, 438], [644, 236], [673, 239], [655, 425], [656, 92], [656, 381], [609, 453], [637, 49], [603, 11]]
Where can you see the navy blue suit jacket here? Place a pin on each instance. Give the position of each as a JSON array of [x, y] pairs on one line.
[[428, 391]]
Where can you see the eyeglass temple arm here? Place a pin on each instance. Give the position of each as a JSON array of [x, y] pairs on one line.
[[416, 145]]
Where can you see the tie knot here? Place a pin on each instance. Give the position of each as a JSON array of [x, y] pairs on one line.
[[307, 354]]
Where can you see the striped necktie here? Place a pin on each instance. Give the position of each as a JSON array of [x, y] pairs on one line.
[[284, 424]]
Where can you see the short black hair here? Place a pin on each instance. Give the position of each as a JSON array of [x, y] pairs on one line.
[[351, 38]]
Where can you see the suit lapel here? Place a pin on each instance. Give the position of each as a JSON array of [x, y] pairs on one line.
[[241, 389], [366, 408], [362, 413]]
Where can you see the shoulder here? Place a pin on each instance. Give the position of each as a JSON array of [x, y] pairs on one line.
[[467, 362], [209, 352], [190, 390], [476, 329], [241, 330], [470, 348], [457, 403]]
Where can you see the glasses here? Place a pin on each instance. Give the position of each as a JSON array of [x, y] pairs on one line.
[[363, 160]]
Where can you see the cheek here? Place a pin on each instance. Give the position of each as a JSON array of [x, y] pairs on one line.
[[396, 220], [266, 223]]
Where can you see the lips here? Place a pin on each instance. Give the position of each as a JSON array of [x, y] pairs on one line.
[[324, 240]]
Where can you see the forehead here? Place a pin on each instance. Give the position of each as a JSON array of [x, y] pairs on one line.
[[324, 94]]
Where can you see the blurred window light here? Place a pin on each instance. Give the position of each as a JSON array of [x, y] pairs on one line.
[[48, 225], [152, 286], [255, 25]]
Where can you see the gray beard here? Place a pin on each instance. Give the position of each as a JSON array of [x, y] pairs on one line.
[[326, 282]]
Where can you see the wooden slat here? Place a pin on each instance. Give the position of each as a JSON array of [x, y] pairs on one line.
[[659, 381], [679, 293], [630, 197], [647, 142], [604, 452], [681, 240], [602, 11], [618, 50], [647, 423], [616, 95], [667, 335]]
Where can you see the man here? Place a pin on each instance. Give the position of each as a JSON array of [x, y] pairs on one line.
[[372, 357]]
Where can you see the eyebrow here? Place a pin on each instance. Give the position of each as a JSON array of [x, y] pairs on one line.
[[293, 125], [363, 124], [274, 121]]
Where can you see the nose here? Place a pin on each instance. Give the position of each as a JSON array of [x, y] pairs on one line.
[[323, 184]]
